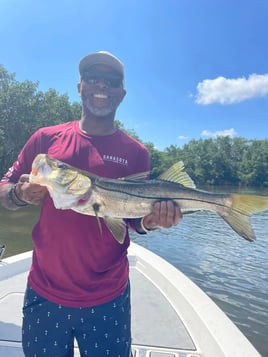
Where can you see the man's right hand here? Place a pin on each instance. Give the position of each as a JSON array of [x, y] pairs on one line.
[[31, 193]]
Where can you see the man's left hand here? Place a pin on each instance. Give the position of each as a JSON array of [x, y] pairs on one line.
[[165, 214]]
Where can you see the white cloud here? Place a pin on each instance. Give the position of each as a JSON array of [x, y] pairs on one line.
[[228, 132], [228, 91], [183, 137]]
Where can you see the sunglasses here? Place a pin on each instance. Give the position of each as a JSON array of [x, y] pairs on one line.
[[110, 79]]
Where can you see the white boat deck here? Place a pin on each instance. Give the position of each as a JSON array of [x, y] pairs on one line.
[[166, 321]]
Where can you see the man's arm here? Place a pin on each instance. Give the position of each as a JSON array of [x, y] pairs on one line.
[[5, 197]]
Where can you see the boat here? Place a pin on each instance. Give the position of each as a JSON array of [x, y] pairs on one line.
[[171, 316]]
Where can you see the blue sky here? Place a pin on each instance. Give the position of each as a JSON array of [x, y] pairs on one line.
[[194, 68]]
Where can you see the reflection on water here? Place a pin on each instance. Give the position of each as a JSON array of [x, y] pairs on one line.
[[232, 271]]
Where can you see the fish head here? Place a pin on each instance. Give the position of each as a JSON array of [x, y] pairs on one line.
[[66, 184]]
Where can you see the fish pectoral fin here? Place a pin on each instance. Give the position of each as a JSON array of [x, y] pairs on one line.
[[96, 208], [177, 174], [117, 227], [99, 224]]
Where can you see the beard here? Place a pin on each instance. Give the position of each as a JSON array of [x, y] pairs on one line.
[[109, 106], [100, 112]]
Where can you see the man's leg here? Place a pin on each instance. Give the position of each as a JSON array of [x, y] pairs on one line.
[[105, 330], [46, 329]]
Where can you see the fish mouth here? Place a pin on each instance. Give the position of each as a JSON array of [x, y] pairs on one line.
[[38, 165]]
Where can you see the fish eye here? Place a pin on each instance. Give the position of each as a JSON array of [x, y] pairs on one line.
[[62, 166]]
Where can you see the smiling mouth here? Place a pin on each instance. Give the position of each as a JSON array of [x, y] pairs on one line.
[[100, 96]]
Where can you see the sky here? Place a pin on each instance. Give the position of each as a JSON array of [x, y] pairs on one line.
[[194, 69]]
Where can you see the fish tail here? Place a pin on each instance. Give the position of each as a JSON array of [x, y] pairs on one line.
[[242, 207]]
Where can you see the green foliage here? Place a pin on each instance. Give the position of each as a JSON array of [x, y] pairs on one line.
[[225, 161], [24, 109], [157, 160], [220, 161]]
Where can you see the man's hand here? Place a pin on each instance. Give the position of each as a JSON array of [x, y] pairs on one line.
[[29, 192], [165, 214]]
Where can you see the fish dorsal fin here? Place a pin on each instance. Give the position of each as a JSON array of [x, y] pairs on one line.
[[137, 176], [177, 174]]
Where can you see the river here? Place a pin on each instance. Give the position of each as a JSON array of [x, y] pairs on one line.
[[232, 271]]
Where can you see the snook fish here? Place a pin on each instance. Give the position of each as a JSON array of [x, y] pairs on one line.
[[133, 196]]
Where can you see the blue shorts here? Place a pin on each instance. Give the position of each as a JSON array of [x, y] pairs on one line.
[[50, 329]]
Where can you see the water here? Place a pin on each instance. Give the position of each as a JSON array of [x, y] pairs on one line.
[[232, 271]]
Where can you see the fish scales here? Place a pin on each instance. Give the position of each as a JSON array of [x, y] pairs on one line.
[[145, 194]]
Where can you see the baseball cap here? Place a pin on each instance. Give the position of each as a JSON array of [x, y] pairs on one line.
[[101, 57]]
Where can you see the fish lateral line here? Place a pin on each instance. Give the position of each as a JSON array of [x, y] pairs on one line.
[[166, 198]]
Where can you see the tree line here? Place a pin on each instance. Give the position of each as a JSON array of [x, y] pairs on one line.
[[220, 161]]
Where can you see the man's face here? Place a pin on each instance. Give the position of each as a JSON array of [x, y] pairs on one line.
[[101, 90]]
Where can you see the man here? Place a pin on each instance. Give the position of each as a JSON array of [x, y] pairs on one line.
[[78, 284]]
